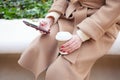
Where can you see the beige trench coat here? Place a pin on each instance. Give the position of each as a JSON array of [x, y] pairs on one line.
[[97, 18]]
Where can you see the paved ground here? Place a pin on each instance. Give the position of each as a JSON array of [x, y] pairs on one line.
[[107, 68]]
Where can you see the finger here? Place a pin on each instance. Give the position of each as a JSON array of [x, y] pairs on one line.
[[74, 48], [43, 32], [68, 43], [70, 46], [43, 22]]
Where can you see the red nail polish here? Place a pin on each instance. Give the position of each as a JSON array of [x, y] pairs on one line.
[[64, 51], [60, 49], [62, 46]]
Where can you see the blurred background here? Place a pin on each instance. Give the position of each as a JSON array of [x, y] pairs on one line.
[[16, 36], [16, 9]]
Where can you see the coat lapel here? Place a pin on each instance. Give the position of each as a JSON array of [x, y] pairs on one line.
[[71, 8]]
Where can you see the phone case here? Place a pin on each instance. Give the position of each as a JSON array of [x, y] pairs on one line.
[[35, 26]]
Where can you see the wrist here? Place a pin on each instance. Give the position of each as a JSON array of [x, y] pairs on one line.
[[54, 15], [79, 38], [51, 20]]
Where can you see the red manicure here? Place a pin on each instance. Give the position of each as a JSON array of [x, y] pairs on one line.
[[62, 46], [64, 51], [60, 49]]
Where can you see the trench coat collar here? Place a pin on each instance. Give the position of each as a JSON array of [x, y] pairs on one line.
[[71, 8]]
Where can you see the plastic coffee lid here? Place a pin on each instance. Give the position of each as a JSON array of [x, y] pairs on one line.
[[63, 36]]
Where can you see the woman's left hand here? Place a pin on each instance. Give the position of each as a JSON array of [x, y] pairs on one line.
[[72, 45]]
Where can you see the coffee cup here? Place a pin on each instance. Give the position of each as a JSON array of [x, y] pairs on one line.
[[62, 37]]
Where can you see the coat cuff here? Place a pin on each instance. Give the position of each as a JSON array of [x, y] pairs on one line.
[[91, 28], [82, 35], [59, 6], [54, 15]]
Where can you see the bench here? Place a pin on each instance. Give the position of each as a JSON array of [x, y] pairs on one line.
[[15, 36]]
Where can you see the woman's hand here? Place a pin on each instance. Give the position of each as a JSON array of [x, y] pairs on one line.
[[46, 24], [72, 45]]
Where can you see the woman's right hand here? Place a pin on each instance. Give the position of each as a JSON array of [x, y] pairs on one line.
[[45, 24]]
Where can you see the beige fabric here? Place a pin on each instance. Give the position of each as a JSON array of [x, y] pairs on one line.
[[82, 35], [97, 18], [54, 15]]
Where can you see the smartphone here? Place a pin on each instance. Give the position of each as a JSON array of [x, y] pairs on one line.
[[35, 26]]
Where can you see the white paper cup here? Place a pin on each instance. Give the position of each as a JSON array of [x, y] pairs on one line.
[[63, 37]]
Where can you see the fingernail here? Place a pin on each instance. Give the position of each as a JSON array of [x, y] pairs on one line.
[[61, 50], [68, 52], [42, 25], [62, 46]]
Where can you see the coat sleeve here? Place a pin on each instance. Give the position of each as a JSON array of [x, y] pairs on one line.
[[96, 25], [59, 6]]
